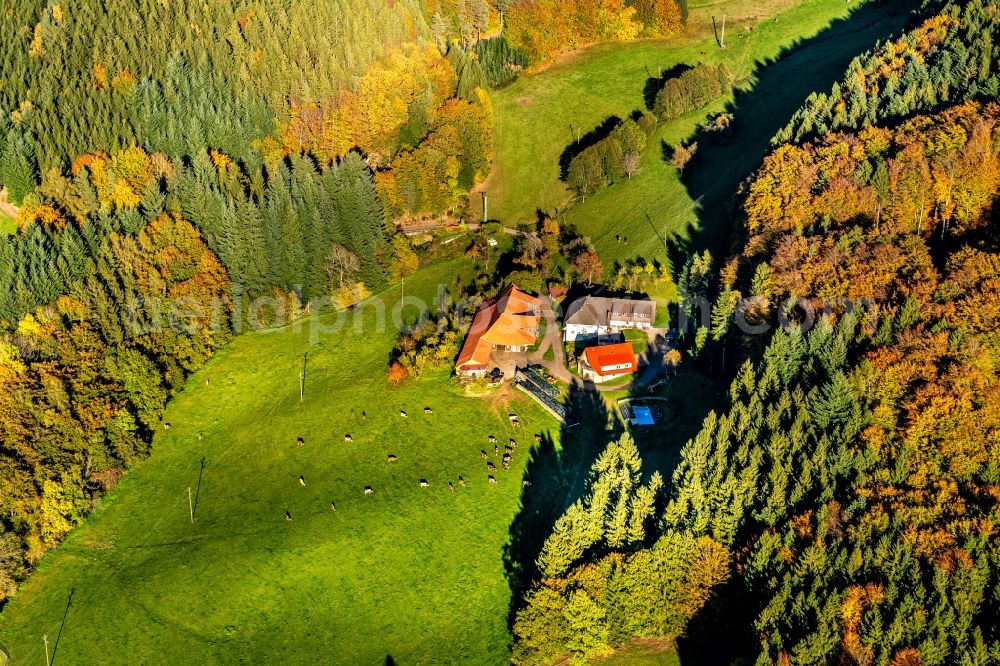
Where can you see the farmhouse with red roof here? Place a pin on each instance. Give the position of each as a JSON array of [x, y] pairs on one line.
[[607, 362]]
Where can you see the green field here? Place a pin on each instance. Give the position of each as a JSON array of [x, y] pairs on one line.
[[408, 572], [7, 224], [540, 115]]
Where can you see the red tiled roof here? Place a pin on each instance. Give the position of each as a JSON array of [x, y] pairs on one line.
[[614, 359], [504, 321]]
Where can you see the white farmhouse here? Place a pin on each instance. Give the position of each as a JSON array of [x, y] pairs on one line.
[[595, 316]]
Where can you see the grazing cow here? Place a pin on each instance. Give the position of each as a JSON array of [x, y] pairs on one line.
[[496, 450], [493, 440], [333, 506], [513, 442], [423, 483], [348, 438], [492, 479], [300, 441], [166, 426], [302, 481], [506, 457], [200, 435], [538, 438], [506, 466], [368, 490], [391, 458], [288, 516], [206, 381], [451, 487], [483, 452], [461, 481], [364, 416], [491, 467], [402, 413], [507, 451], [526, 483], [428, 410]]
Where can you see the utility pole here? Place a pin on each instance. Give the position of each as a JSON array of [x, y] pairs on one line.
[[486, 215], [722, 41], [45, 639], [190, 505], [302, 385]]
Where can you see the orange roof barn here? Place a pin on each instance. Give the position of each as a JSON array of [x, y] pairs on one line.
[[509, 320]]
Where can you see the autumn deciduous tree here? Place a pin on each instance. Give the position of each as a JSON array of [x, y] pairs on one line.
[[397, 374], [682, 156], [588, 264], [630, 164], [341, 265]]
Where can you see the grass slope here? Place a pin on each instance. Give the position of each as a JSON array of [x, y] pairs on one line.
[[539, 115], [8, 225], [416, 574]]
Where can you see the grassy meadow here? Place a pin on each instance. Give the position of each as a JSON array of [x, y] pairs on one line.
[[793, 50], [8, 225], [408, 572]]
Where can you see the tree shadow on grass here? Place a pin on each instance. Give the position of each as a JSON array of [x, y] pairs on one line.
[[780, 86]]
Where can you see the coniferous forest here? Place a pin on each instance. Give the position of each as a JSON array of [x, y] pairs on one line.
[[843, 507], [174, 163]]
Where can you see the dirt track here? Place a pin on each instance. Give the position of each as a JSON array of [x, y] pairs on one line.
[[7, 208]]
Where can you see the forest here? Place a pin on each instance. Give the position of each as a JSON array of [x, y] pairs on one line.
[[843, 506]]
